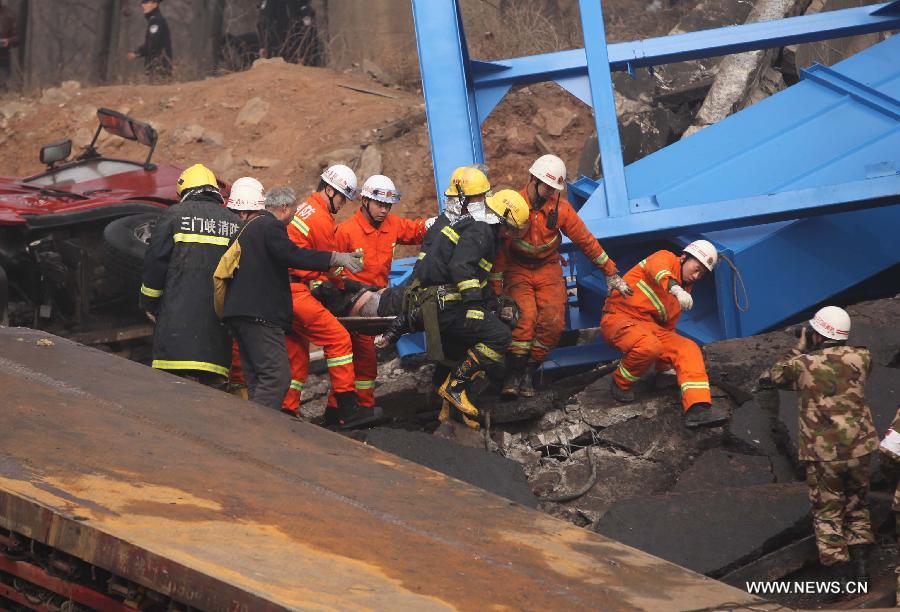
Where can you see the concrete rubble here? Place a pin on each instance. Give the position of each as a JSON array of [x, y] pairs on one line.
[[634, 472]]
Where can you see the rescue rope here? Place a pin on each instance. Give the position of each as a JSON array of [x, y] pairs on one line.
[[735, 279]]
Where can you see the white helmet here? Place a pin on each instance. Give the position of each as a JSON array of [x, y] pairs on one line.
[[246, 194], [380, 188], [549, 169], [341, 178], [832, 322], [704, 252]]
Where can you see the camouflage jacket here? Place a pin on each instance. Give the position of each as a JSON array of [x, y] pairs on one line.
[[835, 422]]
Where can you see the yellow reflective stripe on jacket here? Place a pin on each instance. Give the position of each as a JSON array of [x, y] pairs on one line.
[[660, 275], [201, 239], [450, 233], [334, 362], [162, 364], [626, 374], [495, 276], [601, 259], [657, 303], [485, 265], [471, 283], [300, 225], [315, 283], [421, 256], [153, 293], [520, 344], [474, 314], [488, 352], [450, 297], [296, 385], [540, 344], [527, 246], [694, 385], [365, 384]]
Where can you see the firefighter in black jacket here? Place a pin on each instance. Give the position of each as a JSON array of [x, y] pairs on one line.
[[157, 47], [452, 271], [176, 289]]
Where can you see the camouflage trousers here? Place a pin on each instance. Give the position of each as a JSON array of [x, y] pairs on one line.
[[837, 492]]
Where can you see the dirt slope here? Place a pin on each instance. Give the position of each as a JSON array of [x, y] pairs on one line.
[[282, 123]]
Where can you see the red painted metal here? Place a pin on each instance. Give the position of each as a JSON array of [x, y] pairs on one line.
[[12, 594], [70, 590]]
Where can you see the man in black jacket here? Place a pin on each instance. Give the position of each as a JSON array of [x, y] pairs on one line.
[[176, 290], [258, 301], [157, 47]]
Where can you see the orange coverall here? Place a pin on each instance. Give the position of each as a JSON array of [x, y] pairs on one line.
[[530, 271], [377, 246], [643, 328], [313, 227]]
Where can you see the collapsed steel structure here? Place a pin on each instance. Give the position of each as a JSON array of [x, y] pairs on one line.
[[799, 190]]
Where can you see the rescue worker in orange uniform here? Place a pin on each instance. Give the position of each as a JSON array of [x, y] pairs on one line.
[[642, 326], [313, 227], [528, 268], [374, 232]]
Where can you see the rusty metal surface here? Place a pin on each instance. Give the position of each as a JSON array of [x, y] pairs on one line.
[[226, 505]]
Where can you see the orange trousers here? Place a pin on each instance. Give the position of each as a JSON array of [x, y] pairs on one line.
[[645, 344], [314, 323], [541, 295], [365, 368]]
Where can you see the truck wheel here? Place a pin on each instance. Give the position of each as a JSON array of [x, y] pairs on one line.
[[125, 244]]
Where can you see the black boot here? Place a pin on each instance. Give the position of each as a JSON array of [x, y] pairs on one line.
[[456, 386], [859, 561], [623, 396], [702, 414], [351, 414], [526, 389], [515, 367]]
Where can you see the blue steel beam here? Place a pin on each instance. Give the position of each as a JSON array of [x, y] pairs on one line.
[[743, 212], [453, 123], [564, 65], [604, 104]]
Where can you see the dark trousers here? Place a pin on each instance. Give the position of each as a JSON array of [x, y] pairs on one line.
[[264, 358], [488, 337]]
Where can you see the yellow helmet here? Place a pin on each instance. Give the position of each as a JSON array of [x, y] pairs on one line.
[[197, 175], [471, 180], [511, 207]]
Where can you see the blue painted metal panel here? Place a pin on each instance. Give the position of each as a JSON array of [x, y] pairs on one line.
[[571, 64], [604, 103], [453, 123]]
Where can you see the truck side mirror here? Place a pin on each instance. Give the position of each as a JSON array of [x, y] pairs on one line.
[[55, 152]]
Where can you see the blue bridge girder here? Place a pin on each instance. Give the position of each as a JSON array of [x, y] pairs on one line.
[[771, 186]]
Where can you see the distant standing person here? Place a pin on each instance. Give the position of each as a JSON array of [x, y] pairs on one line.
[[157, 47], [287, 28], [9, 38]]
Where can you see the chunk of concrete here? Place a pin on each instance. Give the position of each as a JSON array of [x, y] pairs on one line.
[[474, 466], [753, 428], [721, 469], [711, 531], [618, 477]]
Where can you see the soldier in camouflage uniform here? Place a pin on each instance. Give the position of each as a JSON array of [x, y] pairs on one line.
[[837, 436]]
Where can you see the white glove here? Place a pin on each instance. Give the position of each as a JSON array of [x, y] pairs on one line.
[[351, 261], [429, 222], [614, 282], [380, 341], [684, 298]]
